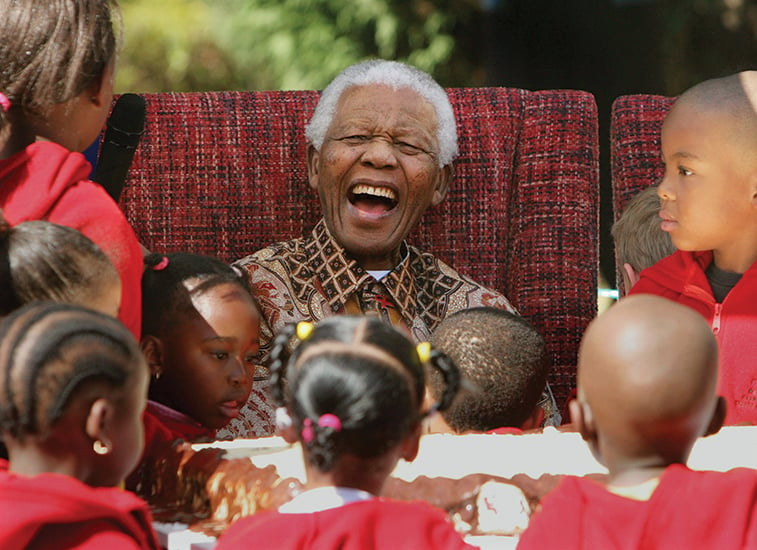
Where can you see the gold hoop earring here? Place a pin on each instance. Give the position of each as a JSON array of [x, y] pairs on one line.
[[100, 448]]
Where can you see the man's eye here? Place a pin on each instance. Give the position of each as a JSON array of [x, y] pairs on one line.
[[354, 140], [408, 148]]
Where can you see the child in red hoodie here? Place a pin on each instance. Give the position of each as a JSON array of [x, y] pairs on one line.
[[56, 87], [73, 386], [353, 398], [709, 206], [647, 374]]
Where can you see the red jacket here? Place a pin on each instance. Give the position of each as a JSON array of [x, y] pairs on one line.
[[48, 182], [53, 511], [680, 277], [366, 525], [688, 509]]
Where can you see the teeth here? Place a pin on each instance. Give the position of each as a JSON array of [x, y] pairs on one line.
[[384, 192]]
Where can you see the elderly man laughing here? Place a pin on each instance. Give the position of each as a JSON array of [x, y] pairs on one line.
[[381, 145]]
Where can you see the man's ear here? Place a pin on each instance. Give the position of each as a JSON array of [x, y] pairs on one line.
[[583, 419], [97, 423], [442, 184], [313, 157], [718, 417], [152, 349], [411, 444]]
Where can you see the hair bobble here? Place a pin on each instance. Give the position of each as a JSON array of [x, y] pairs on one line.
[[329, 420], [5, 103], [308, 434], [424, 351], [304, 330], [161, 265]]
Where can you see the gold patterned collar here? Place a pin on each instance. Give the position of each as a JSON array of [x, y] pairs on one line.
[[341, 276]]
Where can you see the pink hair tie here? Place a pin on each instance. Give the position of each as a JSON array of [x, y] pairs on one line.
[[307, 430], [161, 265], [329, 420], [5, 103]]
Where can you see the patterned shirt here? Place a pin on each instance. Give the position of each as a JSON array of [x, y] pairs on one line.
[[310, 278]]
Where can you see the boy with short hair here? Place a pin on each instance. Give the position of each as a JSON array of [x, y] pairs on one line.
[[639, 240], [709, 208], [503, 360], [646, 393]]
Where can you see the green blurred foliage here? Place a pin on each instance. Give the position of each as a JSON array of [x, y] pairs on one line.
[[280, 44], [181, 45]]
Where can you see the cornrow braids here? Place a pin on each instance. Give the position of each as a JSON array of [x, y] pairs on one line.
[[47, 351], [361, 374], [166, 296], [278, 358]]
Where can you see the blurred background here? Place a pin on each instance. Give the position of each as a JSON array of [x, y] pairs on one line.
[[607, 47]]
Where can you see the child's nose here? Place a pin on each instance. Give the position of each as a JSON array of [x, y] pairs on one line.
[[664, 190], [237, 372]]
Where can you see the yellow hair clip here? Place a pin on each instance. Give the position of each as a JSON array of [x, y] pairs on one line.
[[424, 351], [304, 329]]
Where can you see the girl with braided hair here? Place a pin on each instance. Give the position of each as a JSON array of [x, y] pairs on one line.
[[73, 385], [351, 392]]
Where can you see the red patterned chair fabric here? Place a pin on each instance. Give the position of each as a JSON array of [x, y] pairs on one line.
[[224, 173], [635, 125]]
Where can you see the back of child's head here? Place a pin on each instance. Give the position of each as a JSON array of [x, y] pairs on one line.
[[639, 239], [353, 385], [40, 260], [52, 50], [57, 360], [505, 360], [647, 377], [170, 281]]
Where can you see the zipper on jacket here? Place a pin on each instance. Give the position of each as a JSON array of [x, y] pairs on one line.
[[716, 318]]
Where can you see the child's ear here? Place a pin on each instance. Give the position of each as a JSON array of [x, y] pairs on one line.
[[152, 349], [632, 276], [582, 417], [718, 417], [411, 444], [97, 424], [99, 91]]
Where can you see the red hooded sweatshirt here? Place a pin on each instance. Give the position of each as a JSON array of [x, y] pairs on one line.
[[52, 511], [48, 182], [681, 277]]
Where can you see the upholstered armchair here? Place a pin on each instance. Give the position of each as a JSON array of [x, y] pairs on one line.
[[224, 173]]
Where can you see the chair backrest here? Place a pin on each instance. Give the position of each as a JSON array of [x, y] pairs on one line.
[[635, 124], [224, 173]]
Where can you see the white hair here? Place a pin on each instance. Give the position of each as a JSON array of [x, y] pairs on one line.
[[394, 74]]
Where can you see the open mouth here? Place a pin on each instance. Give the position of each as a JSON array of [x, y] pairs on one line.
[[373, 199], [231, 408]]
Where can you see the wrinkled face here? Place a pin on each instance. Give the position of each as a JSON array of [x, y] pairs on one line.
[[377, 171], [209, 360], [707, 194]]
